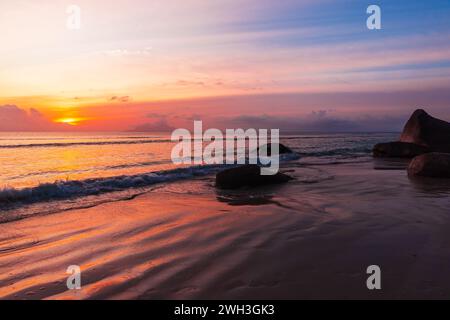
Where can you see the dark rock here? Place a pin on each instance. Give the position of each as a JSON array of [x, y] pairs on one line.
[[281, 148], [434, 164], [247, 175], [425, 130], [421, 134], [399, 150]]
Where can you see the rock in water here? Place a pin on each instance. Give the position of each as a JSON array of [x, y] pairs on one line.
[[434, 164], [421, 134], [247, 175], [399, 150], [425, 130], [281, 148]]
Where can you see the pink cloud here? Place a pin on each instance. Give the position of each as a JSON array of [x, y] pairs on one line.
[[13, 118]]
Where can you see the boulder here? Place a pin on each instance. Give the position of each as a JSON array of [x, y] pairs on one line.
[[247, 175], [425, 130], [421, 134], [434, 164], [399, 150], [281, 148]]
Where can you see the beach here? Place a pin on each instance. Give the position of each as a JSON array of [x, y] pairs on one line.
[[307, 239]]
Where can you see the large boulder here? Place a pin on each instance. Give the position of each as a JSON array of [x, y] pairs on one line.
[[434, 164], [425, 130], [247, 175], [421, 134], [398, 150]]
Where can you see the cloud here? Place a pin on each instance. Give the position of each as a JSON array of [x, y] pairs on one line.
[[190, 83], [154, 115], [127, 52], [13, 118], [120, 99], [160, 125], [317, 121]]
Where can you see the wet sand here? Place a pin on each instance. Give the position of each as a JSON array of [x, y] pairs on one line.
[[311, 238]]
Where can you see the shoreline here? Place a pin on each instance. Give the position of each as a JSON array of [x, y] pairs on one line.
[[301, 240]]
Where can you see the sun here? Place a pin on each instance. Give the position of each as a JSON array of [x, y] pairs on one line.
[[71, 121]]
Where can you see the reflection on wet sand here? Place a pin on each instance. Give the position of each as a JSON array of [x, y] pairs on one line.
[[305, 239], [250, 197]]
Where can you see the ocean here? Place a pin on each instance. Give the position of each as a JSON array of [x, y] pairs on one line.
[[42, 173]]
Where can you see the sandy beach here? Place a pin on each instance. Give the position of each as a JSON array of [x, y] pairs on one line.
[[187, 240]]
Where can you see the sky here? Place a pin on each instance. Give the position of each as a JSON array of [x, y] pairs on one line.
[[305, 65]]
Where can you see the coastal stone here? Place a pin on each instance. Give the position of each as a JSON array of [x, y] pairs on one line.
[[399, 150], [434, 164], [425, 130], [247, 175], [422, 134]]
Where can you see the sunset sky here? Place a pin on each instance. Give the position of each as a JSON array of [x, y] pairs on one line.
[[157, 65]]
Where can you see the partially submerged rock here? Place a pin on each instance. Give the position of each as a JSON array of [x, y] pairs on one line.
[[421, 134], [399, 150], [434, 164], [247, 175]]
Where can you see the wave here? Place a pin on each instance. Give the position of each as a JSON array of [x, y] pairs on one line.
[[111, 167], [325, 161], [79, 188], [356, 151], [67, 189], [28, 138], [89, 143], [86, 143]]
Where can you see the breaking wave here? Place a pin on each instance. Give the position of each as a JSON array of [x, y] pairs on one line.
[[79, 188], [68, 189]]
